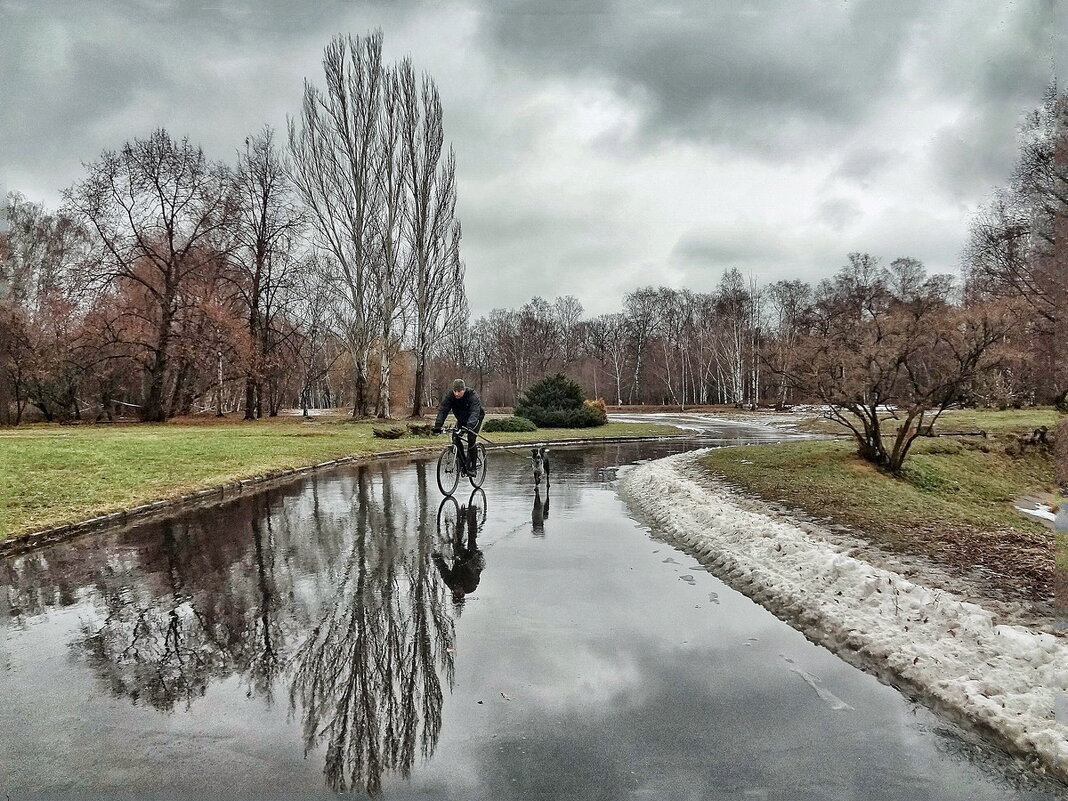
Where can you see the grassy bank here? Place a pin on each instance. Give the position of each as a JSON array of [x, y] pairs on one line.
[[52, 475], [954, 501], [955, 420]]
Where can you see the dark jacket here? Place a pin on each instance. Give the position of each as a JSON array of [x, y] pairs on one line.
[[467, 408]]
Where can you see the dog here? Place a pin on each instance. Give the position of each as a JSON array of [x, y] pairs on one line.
[[539, 458]]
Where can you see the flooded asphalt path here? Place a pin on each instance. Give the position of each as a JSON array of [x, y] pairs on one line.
[[336, 634]]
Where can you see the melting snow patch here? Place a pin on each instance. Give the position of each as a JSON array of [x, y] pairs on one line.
[[1000, 678], [1041, 510], [833, 701]]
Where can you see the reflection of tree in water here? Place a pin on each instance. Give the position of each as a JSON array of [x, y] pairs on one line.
[[233, 590], [201, 603], [159, 653], [367, 677]]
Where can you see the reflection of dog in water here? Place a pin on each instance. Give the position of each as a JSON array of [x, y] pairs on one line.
[[539, 458], [468, 562], [540, 513]]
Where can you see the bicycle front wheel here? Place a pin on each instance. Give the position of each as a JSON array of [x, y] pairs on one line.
[[448, 471], [480, 466], [448, 514]]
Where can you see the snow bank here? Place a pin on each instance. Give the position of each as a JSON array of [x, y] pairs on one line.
[[1000, 678]]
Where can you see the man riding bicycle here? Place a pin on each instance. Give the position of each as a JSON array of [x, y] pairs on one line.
[[466, 405]]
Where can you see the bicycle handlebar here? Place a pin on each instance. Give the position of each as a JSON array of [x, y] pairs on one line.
[[456, 429], [459, 429]]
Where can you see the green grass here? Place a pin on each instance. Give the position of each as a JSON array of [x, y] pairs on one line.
[[52, 475], [955, 495], [989, 420]]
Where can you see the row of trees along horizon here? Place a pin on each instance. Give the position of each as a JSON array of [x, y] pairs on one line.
[[325, 271]]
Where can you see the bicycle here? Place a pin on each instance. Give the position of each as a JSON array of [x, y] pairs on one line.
[[450, 463]]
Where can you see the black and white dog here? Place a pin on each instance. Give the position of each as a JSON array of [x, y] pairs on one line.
[[539, 458]]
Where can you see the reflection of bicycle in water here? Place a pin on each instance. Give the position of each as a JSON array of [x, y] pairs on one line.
[[449, 512], [458, 528], [454, 461]]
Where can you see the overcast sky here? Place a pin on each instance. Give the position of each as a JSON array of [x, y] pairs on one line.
[[601, 145]]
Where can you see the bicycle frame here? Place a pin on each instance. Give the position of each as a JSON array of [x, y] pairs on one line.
[[460, 441]]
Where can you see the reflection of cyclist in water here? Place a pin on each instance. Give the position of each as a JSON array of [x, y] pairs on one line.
[[462, 578]]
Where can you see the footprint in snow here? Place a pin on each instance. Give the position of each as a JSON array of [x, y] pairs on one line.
[[713, 597], [669, 561], [688, 579]]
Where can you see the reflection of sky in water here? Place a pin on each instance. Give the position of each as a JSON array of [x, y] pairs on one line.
[[303, 637], [1060, 522]]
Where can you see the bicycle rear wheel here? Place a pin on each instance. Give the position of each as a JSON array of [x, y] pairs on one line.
[[480, 466], [478, 502], [448, 470]]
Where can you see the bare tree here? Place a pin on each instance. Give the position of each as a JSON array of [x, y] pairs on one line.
[[269, 224], [568, 313], [39, 313], [394, 263], [159, 209], [432, 230], [790, 302], [874, 356], [313, 348], [733, 315], [609, 342], [639, 309], [334, 147], [1016, 247]]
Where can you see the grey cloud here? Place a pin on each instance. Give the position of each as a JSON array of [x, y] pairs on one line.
[[801, 85], [971, 160], [525, 248], [839, 213], [862, 164], [730, 248], [752, 74], [996, 64], [763, 253], [86, 79]]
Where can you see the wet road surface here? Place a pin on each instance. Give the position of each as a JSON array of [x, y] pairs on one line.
[[348, 633]]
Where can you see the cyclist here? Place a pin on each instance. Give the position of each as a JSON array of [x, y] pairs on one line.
[[466, 405]]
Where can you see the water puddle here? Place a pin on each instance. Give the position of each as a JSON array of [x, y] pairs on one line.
[[354, 632]]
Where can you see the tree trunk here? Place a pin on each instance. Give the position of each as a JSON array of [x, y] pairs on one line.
[[382, 405], [359, 405], [153, 411], [417, 392], [250, 398]]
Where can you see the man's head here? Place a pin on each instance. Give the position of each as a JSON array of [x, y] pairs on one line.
[[459, 387]]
